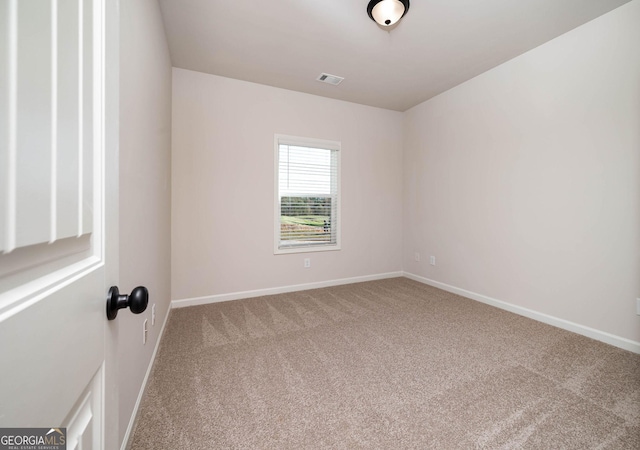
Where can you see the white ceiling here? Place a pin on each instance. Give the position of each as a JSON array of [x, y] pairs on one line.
[[439, 43]]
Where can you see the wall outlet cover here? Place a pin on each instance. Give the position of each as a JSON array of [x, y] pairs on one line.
[[144, 332]]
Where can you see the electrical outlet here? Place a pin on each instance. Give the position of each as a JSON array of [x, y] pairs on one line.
[[153, 314], [638, 306], [417, 256], [432, 260], [144, 332], [307, 263]]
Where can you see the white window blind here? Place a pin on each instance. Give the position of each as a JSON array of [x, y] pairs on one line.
[[307, 200]]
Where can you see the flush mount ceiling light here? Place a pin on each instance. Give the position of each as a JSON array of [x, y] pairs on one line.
[[387, 12]]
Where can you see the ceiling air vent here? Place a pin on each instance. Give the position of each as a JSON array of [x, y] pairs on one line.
[[331, 79]]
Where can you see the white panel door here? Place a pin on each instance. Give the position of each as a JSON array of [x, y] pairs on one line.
[[53, 211]]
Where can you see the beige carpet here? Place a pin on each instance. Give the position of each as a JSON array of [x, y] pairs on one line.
[[388, 364]]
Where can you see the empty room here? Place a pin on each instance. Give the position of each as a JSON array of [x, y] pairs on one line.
[[370, 224]]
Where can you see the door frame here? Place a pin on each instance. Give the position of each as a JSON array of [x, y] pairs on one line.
[[111, 218]]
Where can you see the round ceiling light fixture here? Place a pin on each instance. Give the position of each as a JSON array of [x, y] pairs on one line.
[[387, 12]]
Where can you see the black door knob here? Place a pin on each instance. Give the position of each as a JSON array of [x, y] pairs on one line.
[[137, 301]]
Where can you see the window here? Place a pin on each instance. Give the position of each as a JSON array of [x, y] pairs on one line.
[[307, 201]]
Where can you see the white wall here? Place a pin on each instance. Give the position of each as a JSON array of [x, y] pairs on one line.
[[223, 186], [145, 191], [525, 181]]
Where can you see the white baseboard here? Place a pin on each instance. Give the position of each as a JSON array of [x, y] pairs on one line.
[[134, 413], [181, 303], [617, 341]]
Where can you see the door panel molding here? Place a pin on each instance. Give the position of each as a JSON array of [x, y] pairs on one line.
[[52, 171], [51, 95]]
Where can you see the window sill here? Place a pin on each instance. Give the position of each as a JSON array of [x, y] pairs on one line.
[[310, 249]]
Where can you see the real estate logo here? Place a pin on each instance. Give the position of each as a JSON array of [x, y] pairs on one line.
[[33, 438]]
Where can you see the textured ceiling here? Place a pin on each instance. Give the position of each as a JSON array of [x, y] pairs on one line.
[[439, 43]]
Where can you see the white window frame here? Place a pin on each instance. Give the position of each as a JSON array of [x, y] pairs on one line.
[[313, 143]]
